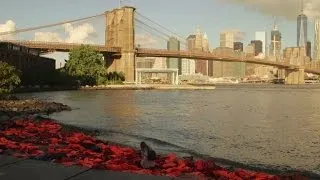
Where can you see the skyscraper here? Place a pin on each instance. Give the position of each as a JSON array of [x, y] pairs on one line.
[[191, 42], [257, 47], [275, 46], [188, 65], [205, 43], [317, 39], [174, 63], [227, 39], [302, 28], [262, 36], [201, 44], [308, 49], [238, 46]]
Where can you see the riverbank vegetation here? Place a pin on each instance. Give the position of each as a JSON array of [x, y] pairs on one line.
[[84, 67], [9, 78], [88, 68]]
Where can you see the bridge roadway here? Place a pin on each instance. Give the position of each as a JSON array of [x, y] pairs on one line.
[[143, 52], [218, 57], [62, 47]]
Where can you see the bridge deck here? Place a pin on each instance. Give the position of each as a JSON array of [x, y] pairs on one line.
[[62, 47], [141, 52]]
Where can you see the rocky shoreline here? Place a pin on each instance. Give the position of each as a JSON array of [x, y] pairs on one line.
[[11, 106]]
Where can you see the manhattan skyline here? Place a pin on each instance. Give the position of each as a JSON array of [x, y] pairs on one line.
[[183, 17]]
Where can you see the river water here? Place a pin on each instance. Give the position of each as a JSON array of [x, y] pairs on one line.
[[267, 126]]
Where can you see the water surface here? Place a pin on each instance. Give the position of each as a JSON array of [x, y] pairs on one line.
[[267, 126]]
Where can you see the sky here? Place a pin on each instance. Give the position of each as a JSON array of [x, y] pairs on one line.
[[181, 16]]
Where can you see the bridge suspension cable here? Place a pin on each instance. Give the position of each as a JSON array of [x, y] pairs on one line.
[[157, 35], [146, 30], [163, 27], [165, 36], [49, 25]]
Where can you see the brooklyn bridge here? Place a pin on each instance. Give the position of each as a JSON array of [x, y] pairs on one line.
[[120, 50]]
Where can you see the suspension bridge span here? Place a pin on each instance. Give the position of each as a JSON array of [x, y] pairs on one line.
[[120, 48]]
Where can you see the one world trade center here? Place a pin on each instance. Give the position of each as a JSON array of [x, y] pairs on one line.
[[302, 28]]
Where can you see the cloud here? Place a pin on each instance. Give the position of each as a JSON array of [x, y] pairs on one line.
[[79, 34], [47, 36], [284, 8], [74, 34], [6, 27], [145, 40]]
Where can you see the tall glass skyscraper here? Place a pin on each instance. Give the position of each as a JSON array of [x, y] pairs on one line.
[[302, 28], [275, 46]]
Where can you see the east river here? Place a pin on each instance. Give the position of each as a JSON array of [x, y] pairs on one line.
[[269, 126]]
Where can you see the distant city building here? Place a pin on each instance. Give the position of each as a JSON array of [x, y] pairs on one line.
[[199, 40], [317, 39], [308, 49], [174, 63], [296, 55], [258, 47], [201, 44], [250, 50], [262, 36], [238, 46], [226, 69], [205, 43], [250, 68], [191, 40], [302, 28], [275, 46], [227, 39], [151, 62], [188, 66]]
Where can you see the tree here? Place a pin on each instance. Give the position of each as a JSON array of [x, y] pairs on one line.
[[9, 78], [86, 64]]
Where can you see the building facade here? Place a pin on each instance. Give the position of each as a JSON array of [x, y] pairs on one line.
[[317, 39], [199, 42], [227, 40], [296, 55], [238, 46], [275, 46], [262, 36], [308, 49], [174, 63], [302, 30], [188, 66], [258, 47]]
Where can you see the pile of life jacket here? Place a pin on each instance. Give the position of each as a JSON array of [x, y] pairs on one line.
[[47, 140]]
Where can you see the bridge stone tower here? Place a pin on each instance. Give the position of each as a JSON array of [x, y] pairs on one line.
[[120, 33], [296, 56]]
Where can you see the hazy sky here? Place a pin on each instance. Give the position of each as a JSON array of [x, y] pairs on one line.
[[183, 16]]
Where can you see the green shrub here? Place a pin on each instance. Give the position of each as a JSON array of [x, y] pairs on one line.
[[9, 78]]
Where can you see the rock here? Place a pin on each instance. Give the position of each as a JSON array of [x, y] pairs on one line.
[[4, 117], [14, 109], [31, 107]]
